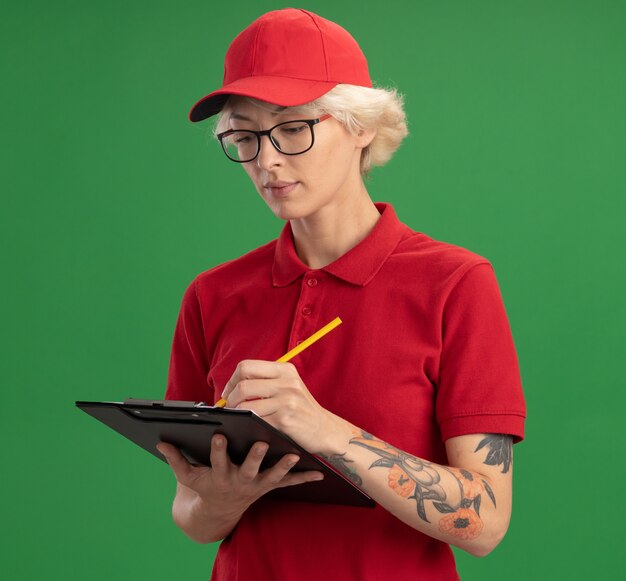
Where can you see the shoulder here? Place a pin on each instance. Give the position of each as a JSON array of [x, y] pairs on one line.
[[434, 261], [252, 267]]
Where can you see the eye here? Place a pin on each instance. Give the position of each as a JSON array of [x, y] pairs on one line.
[[238, 137], [293, 128]]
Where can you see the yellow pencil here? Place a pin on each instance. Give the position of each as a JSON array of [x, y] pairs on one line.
[[299, 348]]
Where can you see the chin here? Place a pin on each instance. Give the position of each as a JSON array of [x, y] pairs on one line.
[[284, 214], [288, 211]]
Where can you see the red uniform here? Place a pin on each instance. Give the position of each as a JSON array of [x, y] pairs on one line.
[[424, 353]]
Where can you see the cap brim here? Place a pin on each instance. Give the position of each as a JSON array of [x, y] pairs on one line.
[[283, 91]]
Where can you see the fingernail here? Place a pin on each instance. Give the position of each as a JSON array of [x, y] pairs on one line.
[[318, 477], [161, 451], [219, 442]]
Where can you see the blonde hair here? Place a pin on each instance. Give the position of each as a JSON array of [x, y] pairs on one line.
[[358, 109]]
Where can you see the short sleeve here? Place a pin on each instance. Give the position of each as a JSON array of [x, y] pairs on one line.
[[480, 389], [187, 377]]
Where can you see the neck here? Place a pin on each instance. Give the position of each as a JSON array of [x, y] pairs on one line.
[[333, 231]]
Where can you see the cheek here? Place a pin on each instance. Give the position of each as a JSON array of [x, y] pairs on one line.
[[335, 165]]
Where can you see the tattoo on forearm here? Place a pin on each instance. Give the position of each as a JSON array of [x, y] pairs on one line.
[[339, 463], [417, 479], [500, 450]]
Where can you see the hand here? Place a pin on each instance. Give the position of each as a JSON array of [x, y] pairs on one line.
[[276, 393], [229, 487]]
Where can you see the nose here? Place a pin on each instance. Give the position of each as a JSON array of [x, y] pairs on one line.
[[269, 156]]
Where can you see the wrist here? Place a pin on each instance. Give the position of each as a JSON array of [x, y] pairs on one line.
[[336, 438]]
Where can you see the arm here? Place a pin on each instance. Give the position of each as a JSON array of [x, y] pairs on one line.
[[467, 504]]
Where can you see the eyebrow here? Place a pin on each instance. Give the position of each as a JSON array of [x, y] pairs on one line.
[[240, 117]]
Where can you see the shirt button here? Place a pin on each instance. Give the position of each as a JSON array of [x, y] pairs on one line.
[[307, 310], [312, 282]]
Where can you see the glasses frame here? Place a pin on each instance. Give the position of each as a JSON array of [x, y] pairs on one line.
[[259, 134]]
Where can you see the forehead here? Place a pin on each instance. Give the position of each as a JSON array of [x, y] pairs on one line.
[[247, 109]]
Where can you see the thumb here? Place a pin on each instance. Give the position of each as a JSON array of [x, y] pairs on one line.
[[178, 463]]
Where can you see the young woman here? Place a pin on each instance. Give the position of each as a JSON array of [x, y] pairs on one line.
[[416, 397]]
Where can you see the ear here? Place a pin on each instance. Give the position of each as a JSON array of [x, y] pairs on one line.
[[365, 137]]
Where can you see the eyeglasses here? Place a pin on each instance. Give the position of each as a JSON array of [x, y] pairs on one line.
[[290, 138]]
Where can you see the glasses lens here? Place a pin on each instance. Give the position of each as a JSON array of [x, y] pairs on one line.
[[292, 137], [240, 145]]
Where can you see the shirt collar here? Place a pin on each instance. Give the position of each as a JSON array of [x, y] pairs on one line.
[[358, 266]]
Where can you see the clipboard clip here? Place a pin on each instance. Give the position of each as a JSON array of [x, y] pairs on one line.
[[159, 403]]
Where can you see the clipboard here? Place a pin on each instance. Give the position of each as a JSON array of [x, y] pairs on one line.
[[190, 425]]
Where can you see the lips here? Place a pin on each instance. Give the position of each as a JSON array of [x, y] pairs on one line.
[[280, 188]]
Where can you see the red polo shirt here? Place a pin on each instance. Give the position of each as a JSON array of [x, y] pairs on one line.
[[424, 353]]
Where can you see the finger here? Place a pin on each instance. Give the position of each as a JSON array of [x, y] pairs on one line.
[[274, 475], [264, 408], [255, 369], [249, 470], [294, 478], [252, 389], [230, 385], [220, 462], [178, 463]]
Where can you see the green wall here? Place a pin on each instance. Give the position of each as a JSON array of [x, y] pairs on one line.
[[112, 202]]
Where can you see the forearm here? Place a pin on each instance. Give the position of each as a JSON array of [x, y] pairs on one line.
[[202, 521], [460, 505], [468, 505]]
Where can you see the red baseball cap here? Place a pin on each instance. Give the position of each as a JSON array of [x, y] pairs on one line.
[[287, 57]]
